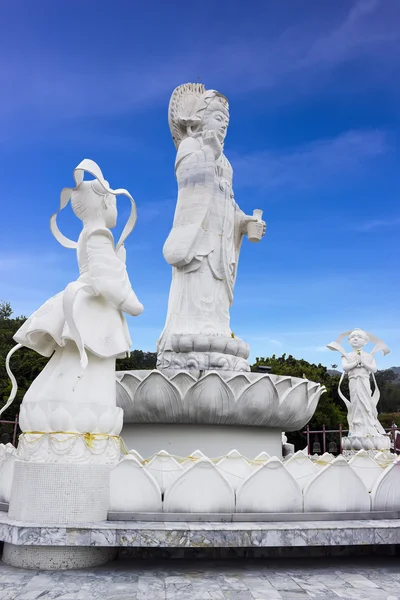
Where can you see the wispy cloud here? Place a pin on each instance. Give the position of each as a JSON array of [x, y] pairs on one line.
[[311, 164], [45, 83], [378, 224]]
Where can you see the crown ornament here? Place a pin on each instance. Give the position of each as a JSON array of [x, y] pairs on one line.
[[188, 101]]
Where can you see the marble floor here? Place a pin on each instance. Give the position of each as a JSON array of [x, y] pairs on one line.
[[363, 578]]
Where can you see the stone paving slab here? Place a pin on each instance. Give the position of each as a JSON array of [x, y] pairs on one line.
[[368, 578], [202, 534]]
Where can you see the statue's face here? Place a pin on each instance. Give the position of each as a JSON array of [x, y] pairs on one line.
[[111, 211], [357, 340], [216, 118]]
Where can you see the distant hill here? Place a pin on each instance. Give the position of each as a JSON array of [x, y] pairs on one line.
[[396, 370]]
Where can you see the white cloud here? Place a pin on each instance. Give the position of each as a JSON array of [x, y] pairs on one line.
[[299, 56], [312, 164], [378, 224]]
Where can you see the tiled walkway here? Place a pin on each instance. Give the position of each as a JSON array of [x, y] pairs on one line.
[[367, 578]]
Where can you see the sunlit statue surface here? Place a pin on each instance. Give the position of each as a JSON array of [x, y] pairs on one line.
[[365, 430], [83, 328], [204, 243]]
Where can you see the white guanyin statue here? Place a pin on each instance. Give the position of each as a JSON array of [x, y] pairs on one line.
[[204, 243], [365, 430], [83, 328]]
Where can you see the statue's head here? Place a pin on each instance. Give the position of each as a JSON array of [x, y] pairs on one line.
[[358, 338], [214, 114], [92, 203], [193, 109]]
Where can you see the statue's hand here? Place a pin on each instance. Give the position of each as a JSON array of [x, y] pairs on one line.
[[210, 139], [251, 219]]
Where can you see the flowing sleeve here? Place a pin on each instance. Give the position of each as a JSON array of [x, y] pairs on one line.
[[108, 273], [195, 173]]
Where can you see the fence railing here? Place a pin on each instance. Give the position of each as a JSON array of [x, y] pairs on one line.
[[314, 447], [13, 429]]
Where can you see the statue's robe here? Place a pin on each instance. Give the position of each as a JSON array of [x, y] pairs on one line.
[[203, 246], [362, 411]]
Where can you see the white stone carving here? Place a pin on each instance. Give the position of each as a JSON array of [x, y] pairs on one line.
[[59, 493], [83, 328], [259, 460], [271, 488], [164, 468], [194, 456], [5, 450], [365, 430], [301, 468], [204, 243], [201, 488], [69, 448], [385, 458], [386, 492], [322, 460], [7, 474], [133, 488], [235, 468], [366, 468], [336, 488], [217, 398], [136, 455]]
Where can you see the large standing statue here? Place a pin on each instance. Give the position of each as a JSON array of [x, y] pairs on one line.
[[364, 428], [204, 244], [83, 328]]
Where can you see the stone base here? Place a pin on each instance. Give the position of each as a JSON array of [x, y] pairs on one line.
[[54, 493], [377, 443], [184, 534], [212, 440], [201, 361], [56, 558]]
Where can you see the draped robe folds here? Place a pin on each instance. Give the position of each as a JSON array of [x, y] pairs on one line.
[[362, 411], [203, 246], [86, 319]]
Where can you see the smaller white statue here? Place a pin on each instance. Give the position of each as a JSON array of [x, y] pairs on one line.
[[83, 328], [360, 366]]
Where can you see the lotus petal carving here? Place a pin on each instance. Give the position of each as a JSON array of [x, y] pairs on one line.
[[219, 397], [50, 416], [258, 402], [292, 402], [157, 400], [210, 400]]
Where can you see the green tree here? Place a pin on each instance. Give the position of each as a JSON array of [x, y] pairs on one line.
[[5, 310], [330, 411], [138, 360]]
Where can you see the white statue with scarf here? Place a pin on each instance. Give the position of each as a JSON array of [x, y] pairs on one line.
[[365, 430], [82, 329]]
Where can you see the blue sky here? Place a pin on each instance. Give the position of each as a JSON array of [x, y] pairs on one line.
[[314, 141]]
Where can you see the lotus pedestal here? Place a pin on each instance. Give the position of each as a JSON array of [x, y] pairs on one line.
[[216, 411]]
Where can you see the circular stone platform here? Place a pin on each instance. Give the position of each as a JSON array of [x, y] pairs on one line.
[[212, 440]]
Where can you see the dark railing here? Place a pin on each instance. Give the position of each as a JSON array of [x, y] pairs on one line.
[[12, 426], [394, 436]]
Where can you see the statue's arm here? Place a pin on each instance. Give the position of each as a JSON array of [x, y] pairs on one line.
[[195, 173], [108, 274], [192, 154], [369, 363]]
